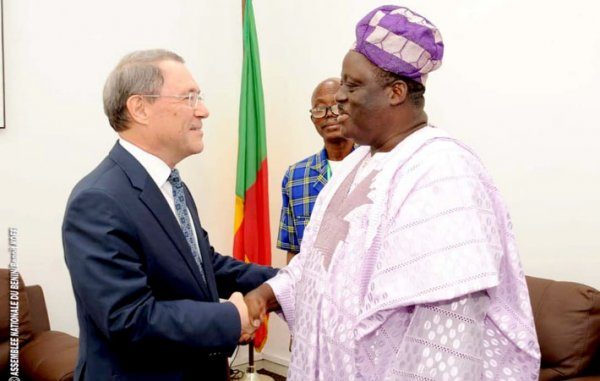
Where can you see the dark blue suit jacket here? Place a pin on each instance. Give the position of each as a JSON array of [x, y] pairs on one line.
[[144, 311]]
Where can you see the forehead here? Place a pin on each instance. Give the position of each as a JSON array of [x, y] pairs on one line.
[[357, 66], [176, 76], [325, 92]]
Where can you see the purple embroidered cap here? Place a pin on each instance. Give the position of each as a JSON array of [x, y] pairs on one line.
[[400, 41]]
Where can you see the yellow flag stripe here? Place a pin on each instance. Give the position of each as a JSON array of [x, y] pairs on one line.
[[239, 213]]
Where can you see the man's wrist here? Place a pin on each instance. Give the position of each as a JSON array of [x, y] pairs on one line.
[[267, 298]]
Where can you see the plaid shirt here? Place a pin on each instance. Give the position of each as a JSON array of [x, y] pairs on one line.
[[300, 186]]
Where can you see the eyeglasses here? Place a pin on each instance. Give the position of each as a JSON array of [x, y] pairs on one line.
[[193, 97], [321, 112]]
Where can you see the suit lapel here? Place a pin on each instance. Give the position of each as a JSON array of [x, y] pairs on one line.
[[157, 204], [204, 246], [154, 200]]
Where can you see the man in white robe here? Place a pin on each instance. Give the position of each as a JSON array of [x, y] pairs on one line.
[[408, 269]]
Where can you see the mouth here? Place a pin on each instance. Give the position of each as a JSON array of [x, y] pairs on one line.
[[196, 128], [331, 126]]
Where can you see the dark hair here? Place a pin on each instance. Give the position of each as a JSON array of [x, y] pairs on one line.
[[416, 90]]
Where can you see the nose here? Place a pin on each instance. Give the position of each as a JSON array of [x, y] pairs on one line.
[[340, 95], [201, 110]]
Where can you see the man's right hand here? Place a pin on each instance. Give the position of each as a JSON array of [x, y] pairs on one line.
[[260, 302], [248, 329]]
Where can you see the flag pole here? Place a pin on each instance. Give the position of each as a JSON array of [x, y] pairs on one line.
[[251, 374]]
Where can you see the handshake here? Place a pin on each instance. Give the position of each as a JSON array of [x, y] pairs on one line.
[[253, 309]]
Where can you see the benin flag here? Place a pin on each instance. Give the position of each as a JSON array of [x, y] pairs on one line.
[[252, 241]]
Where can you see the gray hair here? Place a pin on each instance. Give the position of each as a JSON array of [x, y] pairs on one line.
[[136, 73]]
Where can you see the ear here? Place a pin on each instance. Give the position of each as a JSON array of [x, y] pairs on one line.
[[137, 109], [398, 92]]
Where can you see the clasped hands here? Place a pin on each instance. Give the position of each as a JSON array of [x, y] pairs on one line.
[[253, 311]]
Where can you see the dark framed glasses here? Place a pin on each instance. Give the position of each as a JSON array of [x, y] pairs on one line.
[[321, 111]]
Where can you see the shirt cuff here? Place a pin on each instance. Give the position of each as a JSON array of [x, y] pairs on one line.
[[283, 290]]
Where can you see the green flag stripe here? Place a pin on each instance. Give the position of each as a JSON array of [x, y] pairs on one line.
[[252, 147]]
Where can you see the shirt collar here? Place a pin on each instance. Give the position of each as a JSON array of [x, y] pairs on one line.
[[158, 170], [321, 160]]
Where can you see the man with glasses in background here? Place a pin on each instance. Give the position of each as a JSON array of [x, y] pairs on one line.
[[304, 180], [146, 280]]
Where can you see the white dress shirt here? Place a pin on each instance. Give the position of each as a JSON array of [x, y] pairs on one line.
[[159, 171]]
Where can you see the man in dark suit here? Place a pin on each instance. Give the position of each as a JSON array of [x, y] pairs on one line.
[[147, 281]]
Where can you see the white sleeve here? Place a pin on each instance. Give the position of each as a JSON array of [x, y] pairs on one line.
[[284, 286], [443, 341]]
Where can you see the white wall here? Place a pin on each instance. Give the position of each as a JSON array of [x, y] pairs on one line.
[[519, 84]]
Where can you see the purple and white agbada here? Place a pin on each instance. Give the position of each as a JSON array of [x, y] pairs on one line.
[[409, 271]]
